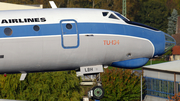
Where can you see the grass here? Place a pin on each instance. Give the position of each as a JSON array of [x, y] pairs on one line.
[[155, 62], [151, 63], [148, 63]]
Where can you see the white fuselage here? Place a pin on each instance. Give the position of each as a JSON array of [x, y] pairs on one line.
[[94, 39]]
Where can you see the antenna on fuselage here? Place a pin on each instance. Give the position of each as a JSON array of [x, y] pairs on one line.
[[53, 5]]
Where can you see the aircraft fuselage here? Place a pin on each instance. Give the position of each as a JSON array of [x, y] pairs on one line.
[[69, 38]]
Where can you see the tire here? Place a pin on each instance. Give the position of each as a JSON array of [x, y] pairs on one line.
[[98, 92]]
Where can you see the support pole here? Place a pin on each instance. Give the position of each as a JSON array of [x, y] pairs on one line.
[[141, 87], [141, 84], [124, 8], [174, 83]]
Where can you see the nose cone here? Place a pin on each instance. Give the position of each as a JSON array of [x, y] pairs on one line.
[[162, 43], [170, 42]]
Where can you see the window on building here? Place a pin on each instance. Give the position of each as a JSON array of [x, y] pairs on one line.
[[160, 88]]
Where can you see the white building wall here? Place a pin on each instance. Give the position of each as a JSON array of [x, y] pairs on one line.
[[178, 78], [166, 76], [160, 75], [152, 98], [9, 6], [149, 73], [176, 57]]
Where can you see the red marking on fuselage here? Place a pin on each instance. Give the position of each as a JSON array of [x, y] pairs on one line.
[[111, 42]]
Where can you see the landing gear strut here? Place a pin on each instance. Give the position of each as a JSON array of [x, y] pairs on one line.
[[97, 92]]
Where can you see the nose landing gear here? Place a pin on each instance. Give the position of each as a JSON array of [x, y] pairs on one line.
[[96, 93]]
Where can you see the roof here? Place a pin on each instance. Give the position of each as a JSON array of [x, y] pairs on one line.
[[173, 67], [176, 50]]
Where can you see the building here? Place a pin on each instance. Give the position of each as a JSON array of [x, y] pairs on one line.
[[10, 6], [162, 80], [176, 49]]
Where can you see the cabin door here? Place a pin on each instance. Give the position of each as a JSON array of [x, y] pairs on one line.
[[69, 35]]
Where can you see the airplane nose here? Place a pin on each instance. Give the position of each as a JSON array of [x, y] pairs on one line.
[[170, 42], [162, 43]]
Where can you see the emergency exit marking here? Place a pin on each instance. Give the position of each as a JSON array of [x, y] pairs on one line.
[[111, 42]]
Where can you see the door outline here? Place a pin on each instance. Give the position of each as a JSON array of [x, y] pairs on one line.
[[62, 39]]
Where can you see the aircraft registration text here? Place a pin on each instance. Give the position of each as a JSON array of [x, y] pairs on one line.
[[111, 42]]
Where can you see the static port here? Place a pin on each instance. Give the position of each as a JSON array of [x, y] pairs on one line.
[[129, 55]]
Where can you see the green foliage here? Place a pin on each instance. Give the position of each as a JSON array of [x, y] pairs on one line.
[[153, 13], [48, 86], [120, 85], [172, 22], [154, 62], [169, 52]]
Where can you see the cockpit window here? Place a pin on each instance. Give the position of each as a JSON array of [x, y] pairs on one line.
[[113, 17], [168, 46], [168, 38], [104, 13], [170, 42], [122, 17]]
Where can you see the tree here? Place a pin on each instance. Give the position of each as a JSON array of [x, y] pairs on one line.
[[95, 2], [172, 22], [120, 85], [153, 13], [48, 86]]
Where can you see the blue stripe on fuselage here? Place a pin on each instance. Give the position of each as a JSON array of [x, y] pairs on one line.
[[156, 37]]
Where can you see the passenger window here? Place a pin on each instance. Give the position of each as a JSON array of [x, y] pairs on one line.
[[113, 17], [8, 31], [104, 13], [36, 28], [68, 26]]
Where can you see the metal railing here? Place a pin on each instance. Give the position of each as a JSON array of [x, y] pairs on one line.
[[159, 87]]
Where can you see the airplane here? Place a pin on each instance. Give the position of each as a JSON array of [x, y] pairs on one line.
[[58, 39]]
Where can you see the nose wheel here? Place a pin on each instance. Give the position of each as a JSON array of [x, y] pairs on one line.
[[97, 92]]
